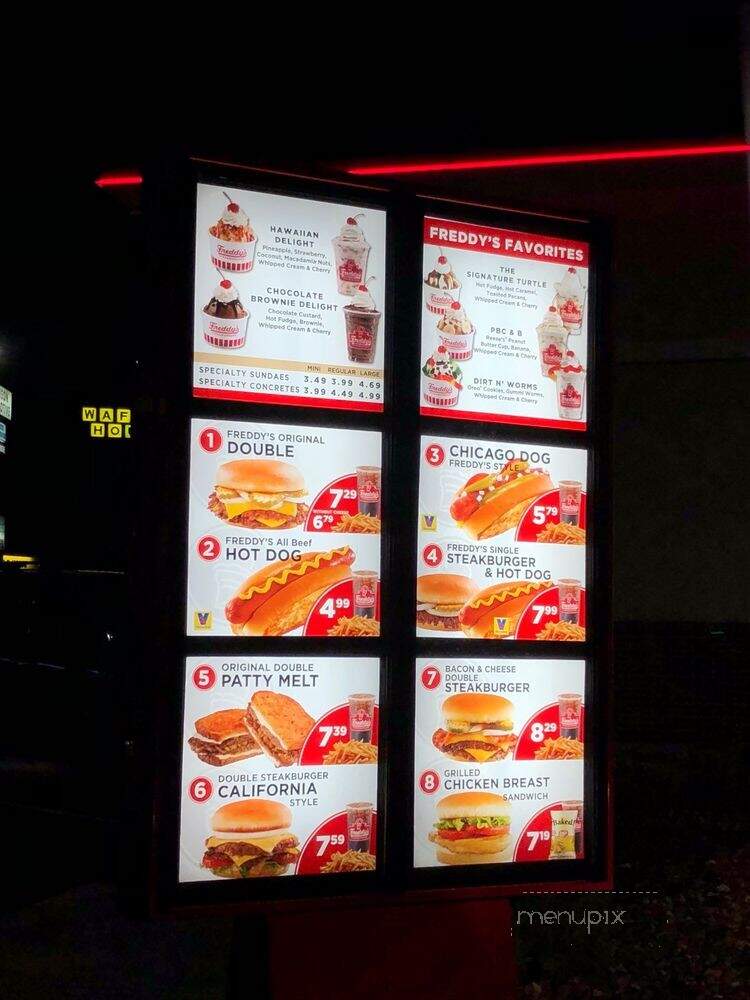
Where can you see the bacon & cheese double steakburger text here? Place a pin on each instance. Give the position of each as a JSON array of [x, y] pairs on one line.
[[491, 503], [279, 597], [477, 728], [259, 493], [493, 613], [251, 838]]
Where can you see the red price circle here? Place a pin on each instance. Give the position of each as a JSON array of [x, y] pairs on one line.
[[431, 677], [208, 548], [429, 782], [432, 554], [204, 677], [210, 439], [434, 455], [200, 789]]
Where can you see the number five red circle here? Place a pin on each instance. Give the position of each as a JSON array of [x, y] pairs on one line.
[[204, 677], [429, 782], [200, 789], [209, 548]]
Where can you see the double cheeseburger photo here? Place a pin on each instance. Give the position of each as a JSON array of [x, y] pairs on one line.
[[476, 728], [448, 602], [278, 598], [472, 828], [490, 503], [251, 839], [260, 494]]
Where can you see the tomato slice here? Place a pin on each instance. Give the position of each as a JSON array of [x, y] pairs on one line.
[[470, 832], [216, 861]]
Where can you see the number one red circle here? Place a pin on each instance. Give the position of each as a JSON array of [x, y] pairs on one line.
[[210, 439]]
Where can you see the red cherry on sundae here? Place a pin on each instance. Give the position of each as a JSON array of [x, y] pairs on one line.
[[233, 206], [351, 222], [442, 259], [455, 305], [442, 349], [225, 283], [571, 270], [362, 288]]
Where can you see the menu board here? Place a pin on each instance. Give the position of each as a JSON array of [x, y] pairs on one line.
[[289, 300], [279, 767], [498, 758], [284, 530], [501, 540], [504, 326]]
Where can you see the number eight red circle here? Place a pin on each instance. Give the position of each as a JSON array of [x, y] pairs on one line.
[[429, 782]]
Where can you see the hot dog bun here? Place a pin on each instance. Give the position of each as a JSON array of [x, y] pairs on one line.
[[505, 506], [501, 600]]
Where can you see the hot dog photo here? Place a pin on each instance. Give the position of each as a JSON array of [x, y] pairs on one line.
[[501, 540], [285, 526]]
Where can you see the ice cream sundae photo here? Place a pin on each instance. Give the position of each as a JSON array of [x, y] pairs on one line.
[[456, 332], [441, 379], [362, 318], [232, 239], [441, 286], [225, 318], [570, 377], [569, 299], [351, 253], [553, 339]]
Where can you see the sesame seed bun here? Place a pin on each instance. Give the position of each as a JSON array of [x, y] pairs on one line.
[[260, 475], [477, 708]]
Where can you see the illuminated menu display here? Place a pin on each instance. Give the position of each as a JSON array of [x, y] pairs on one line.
[[279, 767], [504, 326], [284, 530], [498, 758], [289, 300], [501, 540]]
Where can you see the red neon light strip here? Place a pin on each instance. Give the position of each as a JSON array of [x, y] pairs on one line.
[[546, 160], [119, 180]]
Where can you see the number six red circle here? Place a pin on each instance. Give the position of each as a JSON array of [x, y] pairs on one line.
[[200, 789]]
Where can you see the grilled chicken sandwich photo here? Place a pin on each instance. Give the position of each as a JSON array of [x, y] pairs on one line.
[[223, 738], [251, 839], [472, 828], [477, 727]]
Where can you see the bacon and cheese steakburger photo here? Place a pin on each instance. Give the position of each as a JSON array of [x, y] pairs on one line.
[[223, 738], [493, 613], [279, 724], [477, 728], [491, 503], [251, 839], [278, 598], [259, 493], [472, 828], [440, 596]]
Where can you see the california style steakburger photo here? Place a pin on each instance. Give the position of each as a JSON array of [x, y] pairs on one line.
[[259, 493], [477, 728], [490, 503], [440, 597], [251, 839], [472, 828]]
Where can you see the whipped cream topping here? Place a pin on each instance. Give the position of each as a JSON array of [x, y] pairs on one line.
[[570, 287], [552, 321], [234, 218], [225, 292], [572, 364], [455, 319], [362, 299], [351, 232]]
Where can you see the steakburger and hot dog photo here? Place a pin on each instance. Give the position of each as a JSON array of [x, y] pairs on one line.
[[497, 743], [284, 530], [266, 739], [502, 527]]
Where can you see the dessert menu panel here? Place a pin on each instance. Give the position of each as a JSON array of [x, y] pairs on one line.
[[289, 300], [498, 757], [279, 766], [284, 530], [501, 540], [504, 326]]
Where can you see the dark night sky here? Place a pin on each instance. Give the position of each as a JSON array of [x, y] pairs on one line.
[[680, 269]]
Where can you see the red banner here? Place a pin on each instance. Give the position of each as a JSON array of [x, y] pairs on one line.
[[504, 242]]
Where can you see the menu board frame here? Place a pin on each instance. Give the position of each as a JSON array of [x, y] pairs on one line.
[[163, 647]]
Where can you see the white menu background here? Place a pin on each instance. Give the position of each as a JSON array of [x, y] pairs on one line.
[[321, 454], [530, 785], [319, 684], [295, 350]]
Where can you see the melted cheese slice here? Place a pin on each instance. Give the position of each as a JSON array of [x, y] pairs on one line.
[[239, 506], [479, 755], [264, 843]]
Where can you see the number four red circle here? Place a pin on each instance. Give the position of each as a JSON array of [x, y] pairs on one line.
[[432, 555]]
